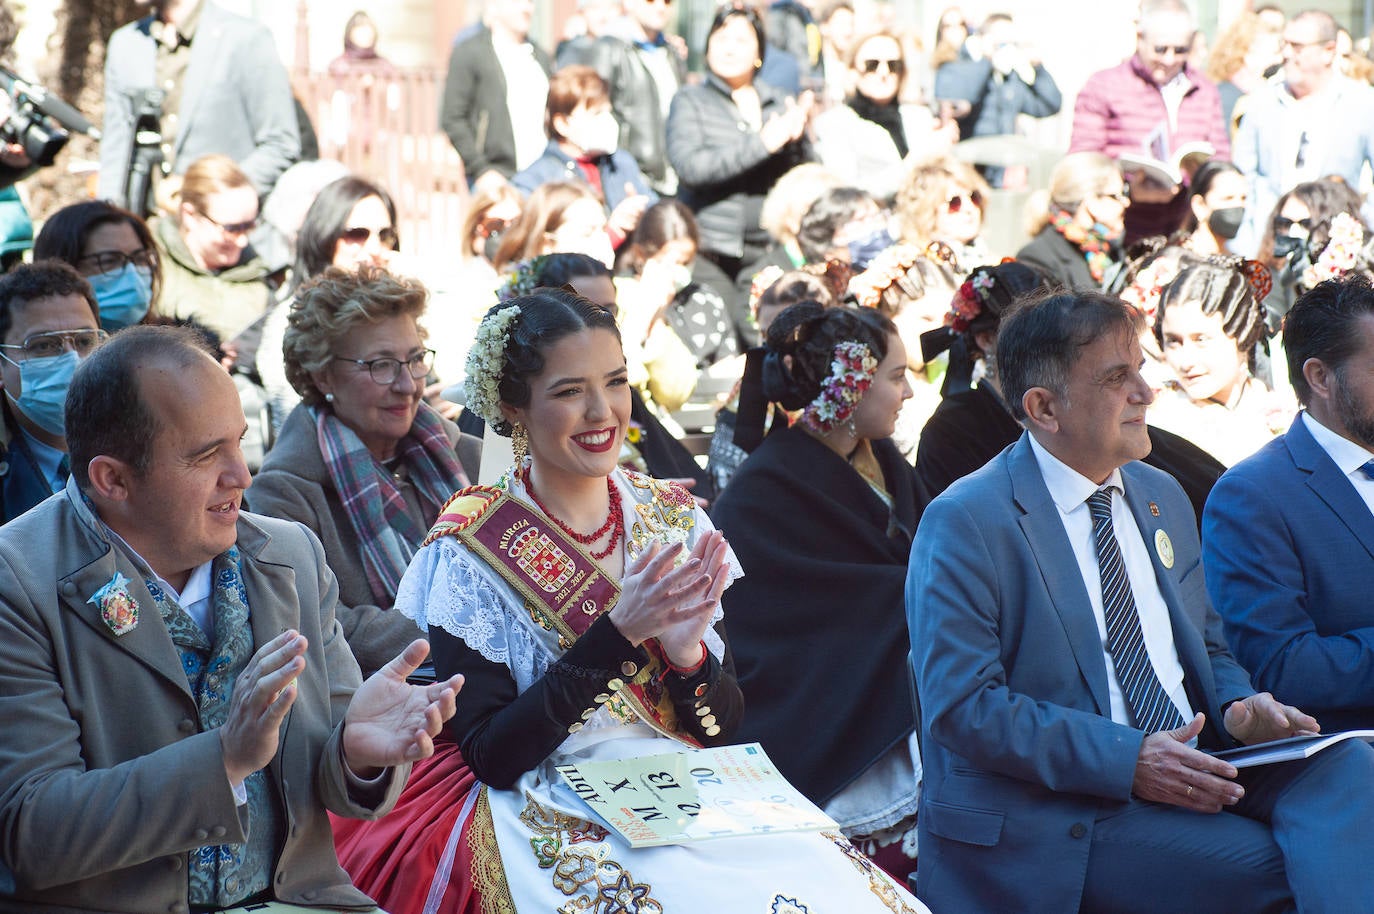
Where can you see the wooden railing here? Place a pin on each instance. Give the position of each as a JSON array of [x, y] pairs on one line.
[[386, 128]]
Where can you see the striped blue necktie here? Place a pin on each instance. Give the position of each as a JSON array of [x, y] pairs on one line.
[[1149, 703]]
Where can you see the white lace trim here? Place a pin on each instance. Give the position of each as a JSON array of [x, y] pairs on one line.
[[448, 587]]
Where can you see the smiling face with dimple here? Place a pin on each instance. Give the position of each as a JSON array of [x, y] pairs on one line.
[[579, 407], [183, 509]]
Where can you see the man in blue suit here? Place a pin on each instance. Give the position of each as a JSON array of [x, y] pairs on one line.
[[1289, 532], [1071, 672]]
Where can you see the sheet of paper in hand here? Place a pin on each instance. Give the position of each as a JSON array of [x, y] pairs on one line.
[[694, 795], [1291, 749]]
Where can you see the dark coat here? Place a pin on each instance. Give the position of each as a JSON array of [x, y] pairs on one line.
[[617, 170], [995, 105], [474, 112], [294, 484], [636, 102], [1060, 260], [817, 623], [971, 427], [723, 167]]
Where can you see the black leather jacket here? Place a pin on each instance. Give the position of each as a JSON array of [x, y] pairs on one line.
[[636, 102], [723, 167]]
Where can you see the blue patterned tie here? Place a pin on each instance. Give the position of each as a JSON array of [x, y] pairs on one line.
[[1368, 469], [1149, 703]]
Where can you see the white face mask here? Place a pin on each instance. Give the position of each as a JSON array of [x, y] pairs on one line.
[[596, 134]]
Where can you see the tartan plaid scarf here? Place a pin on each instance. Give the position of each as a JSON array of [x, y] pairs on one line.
[[373, 500]]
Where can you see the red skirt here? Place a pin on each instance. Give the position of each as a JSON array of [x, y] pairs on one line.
[[412, 859]]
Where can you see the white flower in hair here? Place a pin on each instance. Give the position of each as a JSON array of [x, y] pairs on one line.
[[482, 386]]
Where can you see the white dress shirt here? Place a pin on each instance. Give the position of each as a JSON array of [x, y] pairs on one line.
[[1347, 455], [1070, 491], [527, 88]]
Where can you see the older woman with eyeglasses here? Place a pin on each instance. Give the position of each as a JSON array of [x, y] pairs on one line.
[[210, 272], [351, 222], [363, 462]]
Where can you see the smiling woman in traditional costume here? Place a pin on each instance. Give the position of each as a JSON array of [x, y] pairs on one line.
[[583, 603]]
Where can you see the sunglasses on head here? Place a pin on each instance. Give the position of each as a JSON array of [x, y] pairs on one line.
[[894, 66], [956, 202], [359, 235]]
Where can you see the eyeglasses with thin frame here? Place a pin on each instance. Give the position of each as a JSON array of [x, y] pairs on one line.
[[231, 228], [956, 203], [359, 235], [386, 370], [895, 66], [56, 342], [110, 261]]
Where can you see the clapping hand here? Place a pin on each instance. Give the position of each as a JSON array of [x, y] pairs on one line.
[[672, 604], [625, 217], [263, 693], [788, 126], [389, 721]]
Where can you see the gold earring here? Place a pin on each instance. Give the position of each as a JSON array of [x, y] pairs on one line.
[[520, 443]]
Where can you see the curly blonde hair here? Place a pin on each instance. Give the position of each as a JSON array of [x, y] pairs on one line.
[[330, 306], [926, 191], [1228, 54]]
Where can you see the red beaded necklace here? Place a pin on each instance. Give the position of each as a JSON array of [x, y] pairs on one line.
[[615, 518]]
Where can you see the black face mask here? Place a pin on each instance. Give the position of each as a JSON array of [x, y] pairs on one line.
[[863, 250], [1225, 222], [1288, 245]]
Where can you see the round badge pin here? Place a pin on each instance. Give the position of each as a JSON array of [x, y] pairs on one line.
[[1165, 548]]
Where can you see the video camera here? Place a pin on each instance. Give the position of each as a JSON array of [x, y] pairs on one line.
[[39, 121]]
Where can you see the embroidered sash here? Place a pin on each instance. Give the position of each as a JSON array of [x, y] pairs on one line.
[[563, 588]]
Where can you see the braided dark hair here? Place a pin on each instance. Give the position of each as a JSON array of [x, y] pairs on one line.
[[801, 345], [1220, 287]]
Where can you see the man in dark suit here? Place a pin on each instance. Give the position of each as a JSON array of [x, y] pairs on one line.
[[224, 90], [1072, 676], [180, 705], [1288, 534]]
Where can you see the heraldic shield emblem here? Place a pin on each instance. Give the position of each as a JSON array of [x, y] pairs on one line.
[[538, 557]]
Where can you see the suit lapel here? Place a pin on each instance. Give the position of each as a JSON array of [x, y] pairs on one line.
[[271, 587], [1330, 485], [148, 641], [1044, 531], [206, 47]]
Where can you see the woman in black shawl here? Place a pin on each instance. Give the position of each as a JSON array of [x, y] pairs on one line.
[[821, 514]]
